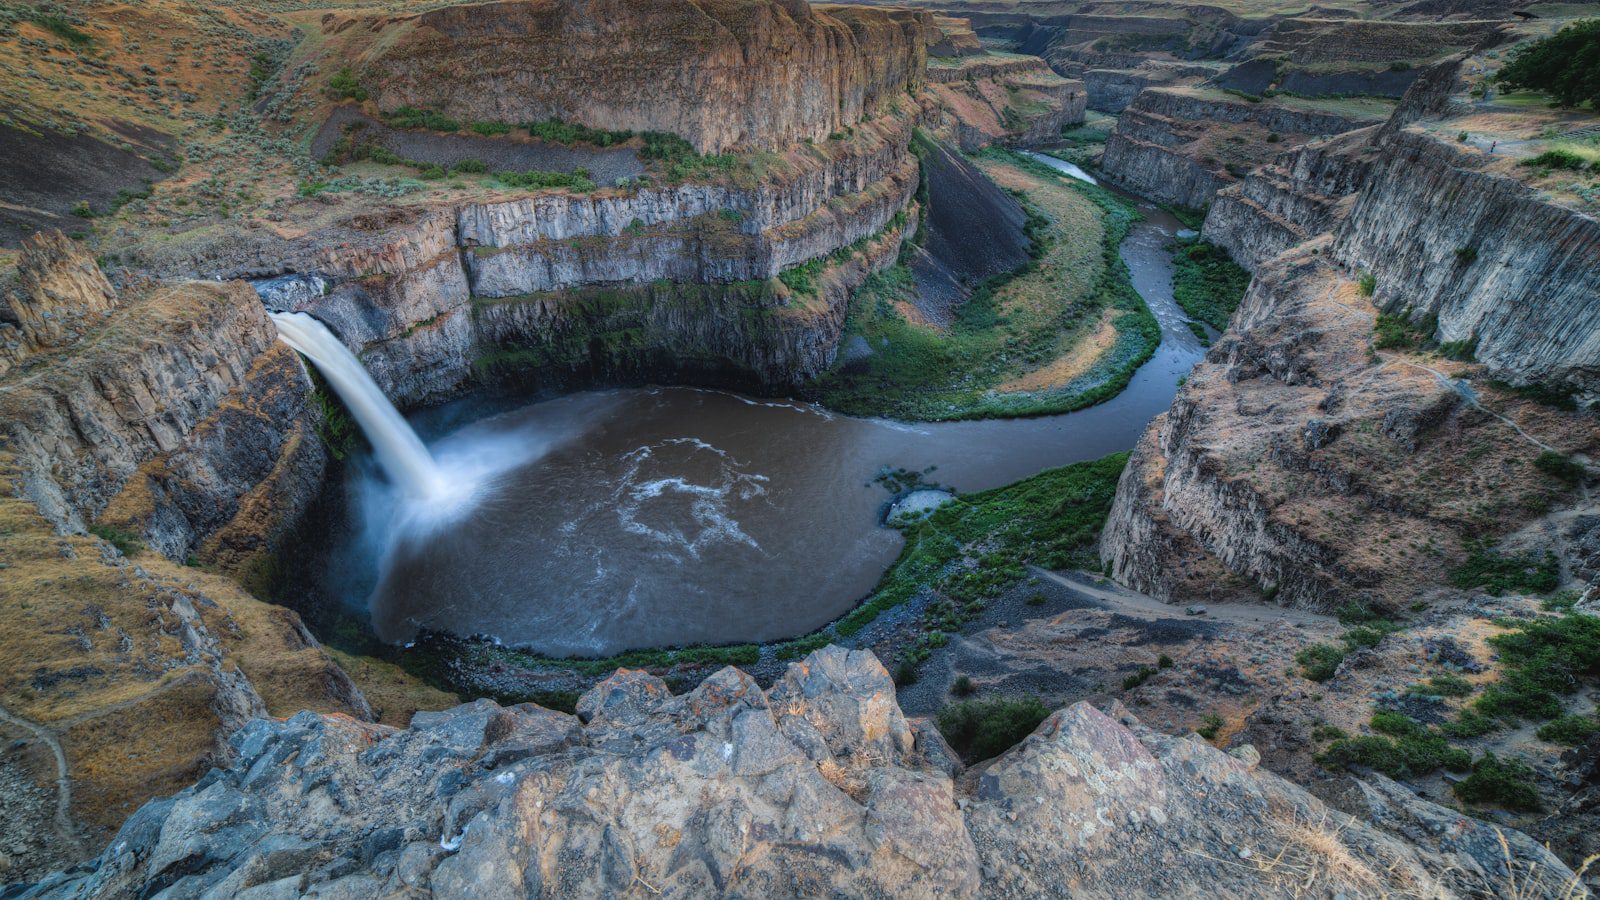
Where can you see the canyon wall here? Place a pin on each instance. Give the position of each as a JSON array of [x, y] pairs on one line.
[[1181, 146], [1499, 268], [165, 416], [830, 788], [1001, 98], [1289, 200], [1305, 462], [723, 74]]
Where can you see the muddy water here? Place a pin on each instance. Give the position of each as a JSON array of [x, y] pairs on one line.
[[663, 516]]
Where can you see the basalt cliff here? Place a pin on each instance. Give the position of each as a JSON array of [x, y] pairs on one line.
[[1301, 461]]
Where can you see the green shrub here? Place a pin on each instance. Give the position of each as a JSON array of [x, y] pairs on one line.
[[557, 131], [126, 542], [1446, 685], [1367, 284], [1498, 572], [1506, 783], [61, 28], [1466, 256], [343, 86], [1137, 678], [1560, 467], [1210, 726], [1327, 733], [1395, 332], [1207, 283], [537, 180], [1319, 662], [963, 687], [1408, 750], [1570, 730], [470, 167], [981, 729], [490, 129], [1164, 662], [425, 119], [1470, 723]]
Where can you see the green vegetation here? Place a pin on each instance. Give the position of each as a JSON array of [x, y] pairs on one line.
[[425, 119], [995, 359], [1367, 284], [1561, 158], [556, 131], [126, 542], [1396, 332], [1497, 573], [62, 28], [577, 180], [1403, 748], [1556, 396], [1502, 782], [1446, 685], [1210, 726], [1565, 65], [983, 729], [976, 547], [490, 129], [1319, 662], [338, 430], [343, 86], [1207, 283], [1560, 467], [1571, 730], [1137, 678]]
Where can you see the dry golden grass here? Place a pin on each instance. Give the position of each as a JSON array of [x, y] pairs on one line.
[[1062, 370]]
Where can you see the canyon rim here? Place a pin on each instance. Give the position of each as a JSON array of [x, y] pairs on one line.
[[766, 448]]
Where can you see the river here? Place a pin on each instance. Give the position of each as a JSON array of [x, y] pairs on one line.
[[667, 516]]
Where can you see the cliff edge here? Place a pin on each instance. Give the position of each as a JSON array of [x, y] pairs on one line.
[[818, 786]]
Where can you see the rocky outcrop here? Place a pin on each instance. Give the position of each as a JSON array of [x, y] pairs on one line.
[[723, 74], [819, 786], [1301, 193], [1292, 455], [1290, 200], [1002, 98], [179, 407], [1182, 146], [166, 418], [1446, 237], [59, 296]]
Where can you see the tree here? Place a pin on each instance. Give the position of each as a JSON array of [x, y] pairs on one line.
[[1565, 65]]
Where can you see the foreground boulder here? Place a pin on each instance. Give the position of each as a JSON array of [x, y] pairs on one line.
[[817, 787]]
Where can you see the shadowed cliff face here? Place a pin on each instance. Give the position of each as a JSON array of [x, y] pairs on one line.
[[818, 786], [723, 74], [170, 418]]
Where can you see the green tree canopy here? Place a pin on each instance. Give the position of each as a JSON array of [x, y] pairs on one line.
[[1565, 65]]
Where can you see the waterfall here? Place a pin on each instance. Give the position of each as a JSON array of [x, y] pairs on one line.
[[401, 453]]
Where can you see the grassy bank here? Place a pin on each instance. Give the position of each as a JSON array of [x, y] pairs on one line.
[[1064, 332]]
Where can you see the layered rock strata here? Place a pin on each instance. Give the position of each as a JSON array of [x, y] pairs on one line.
[[1289, 200], [1005, 98], [1182, 146], [817, 786], [724, 74]]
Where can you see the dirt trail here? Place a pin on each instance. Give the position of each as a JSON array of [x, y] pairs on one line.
[[1141, 606], [64, 827]]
